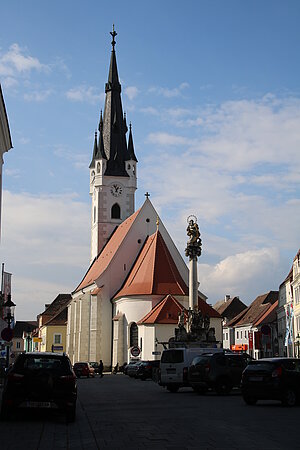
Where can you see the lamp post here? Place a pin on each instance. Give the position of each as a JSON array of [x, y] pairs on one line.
[[298, 344], [9, 308]]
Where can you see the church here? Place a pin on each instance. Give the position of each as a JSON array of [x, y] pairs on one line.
[[129, 299]]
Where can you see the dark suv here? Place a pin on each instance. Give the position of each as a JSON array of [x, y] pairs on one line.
[[40, 381], [272, 379], [218, 371], [146, 369]]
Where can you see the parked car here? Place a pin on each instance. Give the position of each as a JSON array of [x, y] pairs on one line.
[[133, 368], [218, 371], [174, 365], [272, 379], [83, 369], [40, 381], [145, 369], [95, 366], [127, 366]]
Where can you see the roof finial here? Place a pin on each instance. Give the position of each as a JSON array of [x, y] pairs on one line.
[[147, 195], [157, 223], [130, 126], [114, 34]]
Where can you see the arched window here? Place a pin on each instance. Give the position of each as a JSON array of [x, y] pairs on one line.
[[98, 167], [133, 334], [116, 211]]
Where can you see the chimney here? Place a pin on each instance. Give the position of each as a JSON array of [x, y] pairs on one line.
[[227, 297]]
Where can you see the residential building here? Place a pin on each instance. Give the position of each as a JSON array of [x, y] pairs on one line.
[[253, 323], [53, 325], [229, 308], [285, 300], [295, 284], [22, 339]]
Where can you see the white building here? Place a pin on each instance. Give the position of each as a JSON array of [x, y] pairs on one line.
[[137, 281], [5, 142]]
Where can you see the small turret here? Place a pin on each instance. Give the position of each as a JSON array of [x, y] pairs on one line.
[[130, 153]]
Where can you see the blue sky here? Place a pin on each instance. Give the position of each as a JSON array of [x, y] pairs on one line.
[[212, 90]]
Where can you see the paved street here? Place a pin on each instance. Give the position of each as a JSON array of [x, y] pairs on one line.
[[117, 412]]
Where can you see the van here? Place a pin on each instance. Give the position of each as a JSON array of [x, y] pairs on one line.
[[174, 365]]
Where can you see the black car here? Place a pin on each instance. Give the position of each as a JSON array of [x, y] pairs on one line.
[[146, 368], [40, 381], [272, 379], [218, 371]]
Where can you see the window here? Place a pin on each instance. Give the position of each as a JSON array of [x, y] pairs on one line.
[[226, 336], [116, 211], [237, 334], [297, 295], [133, 335], [18, 345], [245, 333], [57, 339], [98, 167]]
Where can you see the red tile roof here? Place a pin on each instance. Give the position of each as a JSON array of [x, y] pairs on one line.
[[269, 316], [166, 311], [100, 264], [154, 272]]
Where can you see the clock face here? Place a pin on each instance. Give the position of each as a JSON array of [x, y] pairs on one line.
[[116, 190]]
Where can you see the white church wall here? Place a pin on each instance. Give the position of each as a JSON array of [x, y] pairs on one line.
[[147, 339]]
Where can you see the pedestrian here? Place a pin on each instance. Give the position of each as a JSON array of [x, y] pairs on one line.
[[116, 369], [101, 368]]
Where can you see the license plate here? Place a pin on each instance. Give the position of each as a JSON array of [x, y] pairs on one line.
[[256, 378], [171, 370], [38, 405]]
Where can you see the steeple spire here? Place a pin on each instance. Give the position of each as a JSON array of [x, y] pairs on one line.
[[101, 151], [131, 154], [95, 151]]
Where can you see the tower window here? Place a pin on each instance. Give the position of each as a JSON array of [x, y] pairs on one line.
[[128, 167], [98, 167], [116, 211]]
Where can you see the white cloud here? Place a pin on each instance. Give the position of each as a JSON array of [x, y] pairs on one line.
[[167, 139], [14, 173], [45, 244], [131, 92], [167, 92], [83, 93], [37, 96], [79, 160], [17, 59]]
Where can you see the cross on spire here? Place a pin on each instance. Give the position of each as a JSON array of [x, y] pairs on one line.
[[147, 195], [114, 34]]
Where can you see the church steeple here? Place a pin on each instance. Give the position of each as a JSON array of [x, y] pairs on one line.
[[131, 154], [114, 129]]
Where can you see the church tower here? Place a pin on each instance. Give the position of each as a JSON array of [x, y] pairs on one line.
[[113, 169]]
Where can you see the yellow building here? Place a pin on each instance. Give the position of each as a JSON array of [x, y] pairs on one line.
[[53, 325]]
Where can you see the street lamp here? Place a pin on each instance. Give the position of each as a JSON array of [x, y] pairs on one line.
[[9, 308]]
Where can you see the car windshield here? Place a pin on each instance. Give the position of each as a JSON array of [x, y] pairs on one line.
[[172, 356], [260, 366], [34, 363]]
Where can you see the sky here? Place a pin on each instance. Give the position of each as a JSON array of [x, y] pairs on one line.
[[212, 90]]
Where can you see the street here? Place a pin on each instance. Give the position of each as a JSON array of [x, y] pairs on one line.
[[117, 412]]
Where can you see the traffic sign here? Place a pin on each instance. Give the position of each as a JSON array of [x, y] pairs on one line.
[[135, 350], [156, 353], [7, 334]]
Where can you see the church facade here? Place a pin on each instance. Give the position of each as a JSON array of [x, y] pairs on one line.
[[137, 281]]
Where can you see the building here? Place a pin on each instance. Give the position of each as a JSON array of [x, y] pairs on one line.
[[295, 284], [284, 306], [137, 281], [255, 328], [22, 339], [5, 142], [53, 325], [229, 308]]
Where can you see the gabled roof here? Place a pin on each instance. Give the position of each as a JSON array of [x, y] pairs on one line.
[[165, 312], [100, 264], [59, 319], [256, 310], [154, 272], [229, 308], [22, 326], [268, 316], [62, 300]]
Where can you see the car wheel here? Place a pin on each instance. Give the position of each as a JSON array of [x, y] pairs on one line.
[[223, 386], [71, 414], [289, 397], [172, 388], [249, 400]]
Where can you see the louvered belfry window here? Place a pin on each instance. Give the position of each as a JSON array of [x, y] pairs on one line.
[[133, 334]]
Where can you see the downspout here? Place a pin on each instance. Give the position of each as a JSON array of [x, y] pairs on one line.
[[112, 333]]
